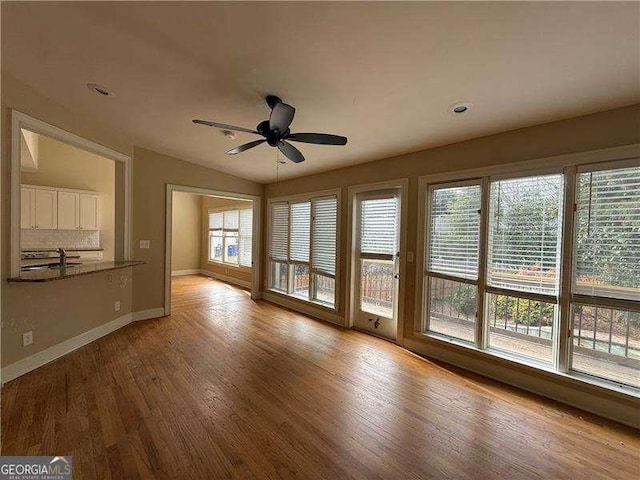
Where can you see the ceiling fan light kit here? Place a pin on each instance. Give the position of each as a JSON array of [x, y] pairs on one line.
[[276, 132]]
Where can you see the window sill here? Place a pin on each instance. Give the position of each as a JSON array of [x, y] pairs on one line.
[[537, 368], [314, 303], [229, 265]]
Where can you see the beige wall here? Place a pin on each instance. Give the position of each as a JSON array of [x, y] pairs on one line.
[[213, 203], [57, 311], [186, 233], [152, 172], [61, 165]]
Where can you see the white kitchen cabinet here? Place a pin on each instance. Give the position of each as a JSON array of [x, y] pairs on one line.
[[27, 207], [59, 209], [46, 209], [38, 208], [68, 214], [89, 206]]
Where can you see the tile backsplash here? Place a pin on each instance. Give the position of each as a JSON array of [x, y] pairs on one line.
[[59, 238]]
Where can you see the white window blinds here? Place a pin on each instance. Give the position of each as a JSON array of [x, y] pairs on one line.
[[300, 231], [230, 219], [325, 217], [279, 231], [215, 221], [524, 230], [607, 250], [245, 237], [455, 231], [379, 219]]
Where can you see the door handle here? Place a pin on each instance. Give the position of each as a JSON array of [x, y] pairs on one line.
[[397, 275]]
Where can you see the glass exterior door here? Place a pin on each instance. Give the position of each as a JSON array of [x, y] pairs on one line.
[[378, 226]]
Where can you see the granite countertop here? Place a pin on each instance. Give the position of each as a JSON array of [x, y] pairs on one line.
[[49, 275], [68, 249]]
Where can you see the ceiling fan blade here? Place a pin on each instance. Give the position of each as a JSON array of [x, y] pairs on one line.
[[318, 138], [281, 117], [224, 126], [246, 146], [291, 152]]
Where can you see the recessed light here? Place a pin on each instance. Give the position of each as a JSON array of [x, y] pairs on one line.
[[229, 134], [99, 89], [460, 107]]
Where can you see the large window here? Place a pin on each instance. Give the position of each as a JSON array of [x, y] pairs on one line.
[[452, 269], [494, 268], [302, 253], [605, 319], [230, 236]]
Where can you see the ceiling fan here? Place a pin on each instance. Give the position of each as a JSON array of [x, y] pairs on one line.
[[276, 132]]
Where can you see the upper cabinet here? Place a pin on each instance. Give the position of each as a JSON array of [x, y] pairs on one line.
[[67, 211], [89, 206], [39, 209], [48, 208]]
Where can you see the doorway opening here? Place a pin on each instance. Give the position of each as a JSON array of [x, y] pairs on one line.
[[69, 198], [214, 234]]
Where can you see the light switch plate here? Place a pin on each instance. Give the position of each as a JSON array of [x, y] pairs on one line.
[[145, 243], [27, 338]]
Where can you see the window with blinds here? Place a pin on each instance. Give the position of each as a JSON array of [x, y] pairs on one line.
[[300, 232], [245, 237], [607, 250], [325, 218], [524, 234], [378, 229], [501, 292], [279, 223], [302, 249], [230, 236], [454, 231], [452, 261]]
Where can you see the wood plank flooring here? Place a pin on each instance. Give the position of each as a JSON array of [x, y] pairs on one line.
[[231, 388]]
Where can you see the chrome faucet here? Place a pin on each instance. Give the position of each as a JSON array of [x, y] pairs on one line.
[[63, 257]]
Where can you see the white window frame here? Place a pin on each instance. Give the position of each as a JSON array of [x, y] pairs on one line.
[[310, 197], [428, 274], [569, 165], [224, 242]]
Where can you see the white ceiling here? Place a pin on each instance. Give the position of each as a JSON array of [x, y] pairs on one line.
[[382, 74]]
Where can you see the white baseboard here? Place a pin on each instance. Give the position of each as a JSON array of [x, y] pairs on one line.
[[304, 307], [224, 278], [43, 357], [147, 314], [177, 273]]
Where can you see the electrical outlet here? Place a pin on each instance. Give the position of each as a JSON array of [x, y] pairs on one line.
[[27, 338], [145, 243], [117, 306]]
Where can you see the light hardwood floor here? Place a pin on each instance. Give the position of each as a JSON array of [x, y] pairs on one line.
[[231, 388]]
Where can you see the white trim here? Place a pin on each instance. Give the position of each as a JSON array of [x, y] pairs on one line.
[[573, 390], [403, 185], [256, 245], [225, 278], [177, 273], [20, 120], [43, 357], [305, 307], [147, 314]]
